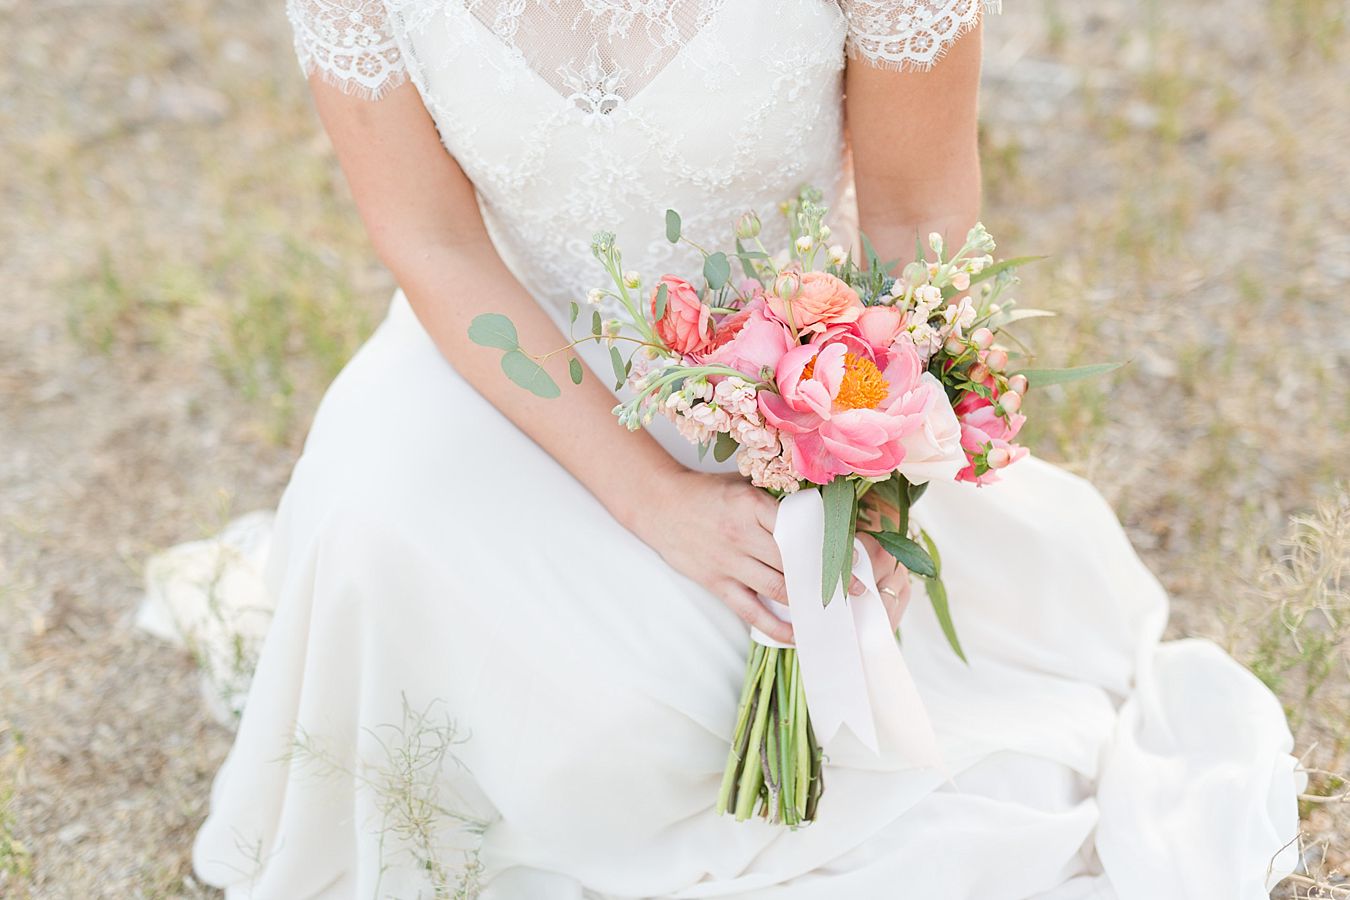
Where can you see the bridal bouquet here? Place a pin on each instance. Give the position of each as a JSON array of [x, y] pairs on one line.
[[825, 378]]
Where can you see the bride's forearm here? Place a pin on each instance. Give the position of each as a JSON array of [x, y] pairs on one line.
[[447, 284]]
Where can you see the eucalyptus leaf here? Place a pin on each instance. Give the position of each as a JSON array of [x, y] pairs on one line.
[[840, 498], [1009, 316], [744, 256], [494, 330], [574, 370], [724, 447], [620, 371], [1000, 267], [907, 552], [672, 226], [573, 310], [529, 374], [1043, 377], [662, 298], [717, 269], [937, 595], [596, 325]]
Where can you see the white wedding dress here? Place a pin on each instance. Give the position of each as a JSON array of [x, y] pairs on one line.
[[477, 682]]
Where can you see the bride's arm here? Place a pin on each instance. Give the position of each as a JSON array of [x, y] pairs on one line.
[[422, 217], [915, 152]]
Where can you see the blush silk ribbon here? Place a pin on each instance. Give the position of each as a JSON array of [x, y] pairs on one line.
[[852, 670]]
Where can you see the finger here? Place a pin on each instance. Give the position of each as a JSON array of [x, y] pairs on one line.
[[761, 545], [762, 579], [745, 604], [766, 510]]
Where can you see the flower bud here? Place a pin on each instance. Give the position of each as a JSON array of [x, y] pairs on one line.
[[982, 338], [838, 255], [1018, 383], [825, 232], [595, 296], [961, 281], [1010, 402], [978, 373], [997, 458], [954, 345], [935, 241], [631, 279], [788, 285], [747, 226], [996, 359], [804, 244]]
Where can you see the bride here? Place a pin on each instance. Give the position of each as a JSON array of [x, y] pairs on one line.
[[507, 646]]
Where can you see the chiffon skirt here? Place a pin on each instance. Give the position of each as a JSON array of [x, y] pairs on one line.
[[476, 680]]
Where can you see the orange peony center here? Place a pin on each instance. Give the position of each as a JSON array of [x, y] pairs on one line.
[[862, 386]]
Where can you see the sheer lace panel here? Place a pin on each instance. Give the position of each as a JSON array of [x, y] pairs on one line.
[[596, 53], [909, 34], [349, 43]]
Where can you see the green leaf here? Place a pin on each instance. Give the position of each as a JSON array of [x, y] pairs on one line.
[[596, 325], [725, 446], [937, 595], [494, 330], [574, 369], [873, 259], [1003, 266], [672, 226], [572, 312], [840, 498], [662, 297], [1009, 316], [744, 256], [620, 371], [529, 374], [1043, 377], [932, 551], [916, 491], [909, 553], [717, 269]]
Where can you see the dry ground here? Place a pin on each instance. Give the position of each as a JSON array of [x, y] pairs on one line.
[[182, 273]]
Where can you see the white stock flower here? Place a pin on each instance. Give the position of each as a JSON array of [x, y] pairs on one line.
[[595, 296]]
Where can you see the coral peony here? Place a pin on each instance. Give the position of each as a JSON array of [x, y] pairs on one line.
[[840, 414], [750, 341]]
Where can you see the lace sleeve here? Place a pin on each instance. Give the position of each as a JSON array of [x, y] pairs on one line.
[[909, 34], [349, 44]]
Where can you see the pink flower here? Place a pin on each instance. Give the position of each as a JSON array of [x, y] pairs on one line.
[[750, 341], [988, 438], [840, 414], [821, 301], [686, 326]]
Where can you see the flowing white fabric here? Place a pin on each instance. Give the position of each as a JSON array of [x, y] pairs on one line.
[[852, 670], [477, 681]]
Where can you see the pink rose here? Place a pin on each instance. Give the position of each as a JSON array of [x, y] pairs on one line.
[[686, 326], [821, 301], [840, 414], [750, 341]]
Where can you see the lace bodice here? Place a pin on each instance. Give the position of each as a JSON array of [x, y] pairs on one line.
[[572, 116]]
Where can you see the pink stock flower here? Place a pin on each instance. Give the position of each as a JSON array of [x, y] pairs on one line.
[[839, 413], [821, 301], [687, 324]]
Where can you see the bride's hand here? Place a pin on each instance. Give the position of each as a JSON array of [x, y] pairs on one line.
[[718, 530]]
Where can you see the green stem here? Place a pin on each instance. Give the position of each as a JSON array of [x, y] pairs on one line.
[[751, 771], [740, 737]]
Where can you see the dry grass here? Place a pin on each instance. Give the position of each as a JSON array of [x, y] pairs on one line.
[[183, 272]]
